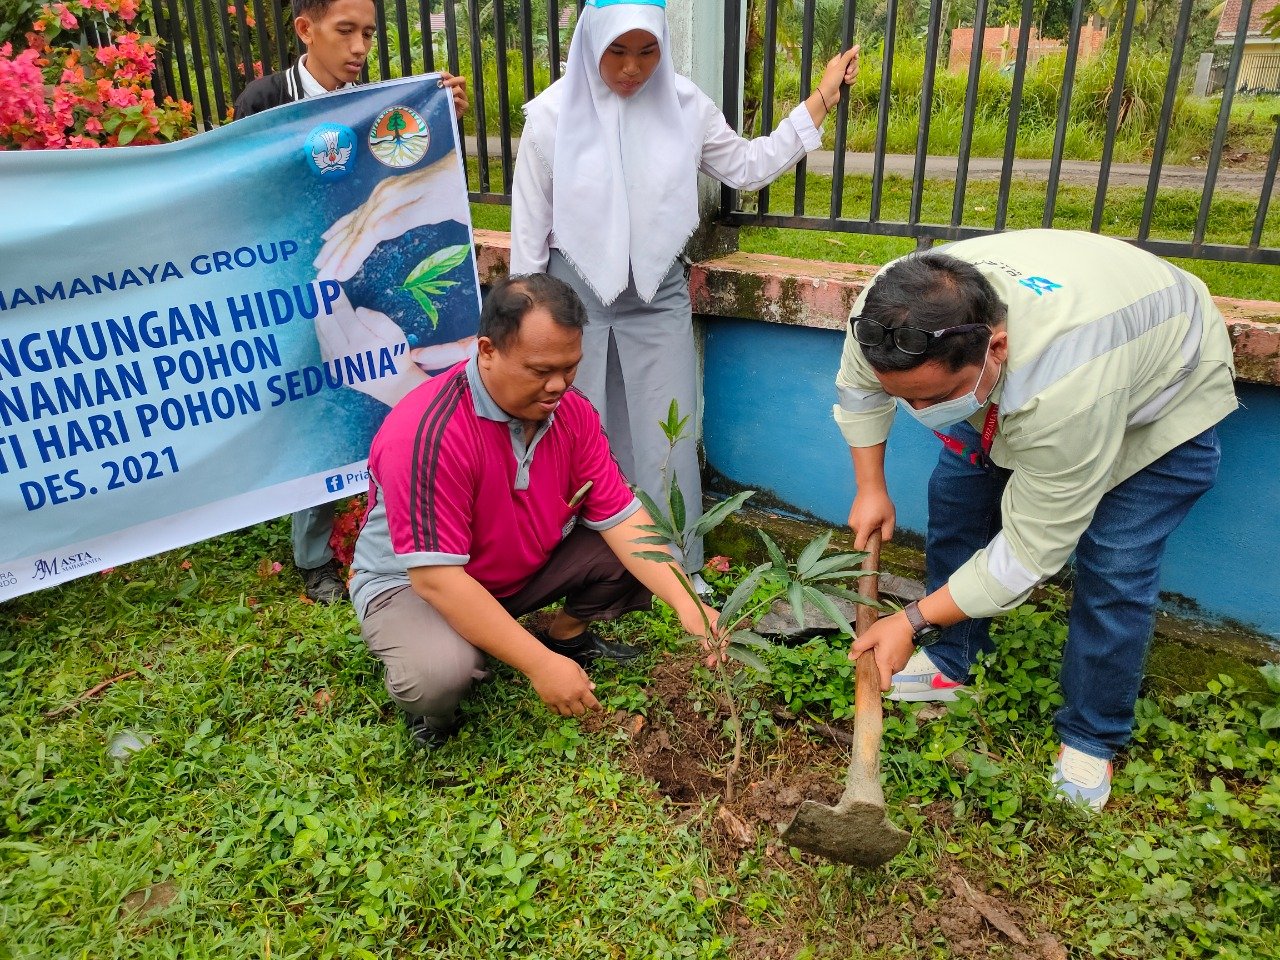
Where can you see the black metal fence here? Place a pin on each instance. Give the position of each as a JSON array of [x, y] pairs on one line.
[[870, 216], [512, 50], [509, 51]]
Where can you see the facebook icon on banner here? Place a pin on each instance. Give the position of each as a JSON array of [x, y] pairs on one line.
[[334, 483]]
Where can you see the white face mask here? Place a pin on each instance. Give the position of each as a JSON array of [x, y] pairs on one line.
[[947, 413]]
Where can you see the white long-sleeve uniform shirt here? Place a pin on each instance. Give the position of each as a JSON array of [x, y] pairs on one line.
[[720, 153]]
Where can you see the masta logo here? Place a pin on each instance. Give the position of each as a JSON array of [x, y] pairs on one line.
[[399, 137], [330, 150]]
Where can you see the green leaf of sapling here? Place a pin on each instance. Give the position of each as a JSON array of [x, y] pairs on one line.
[[750, 639], [743, 655], [741, 594], [718, 513], [774, 553], [795, 595], [677, 508], [653, 555], [812, 551]]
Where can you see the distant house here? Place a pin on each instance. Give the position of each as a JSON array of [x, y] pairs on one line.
[[1000, 44], [1260, 65]]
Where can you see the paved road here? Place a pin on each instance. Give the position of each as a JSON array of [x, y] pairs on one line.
[[988, 168], [1073, 171]]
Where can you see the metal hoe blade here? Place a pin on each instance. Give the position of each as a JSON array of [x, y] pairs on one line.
[[860, 834]]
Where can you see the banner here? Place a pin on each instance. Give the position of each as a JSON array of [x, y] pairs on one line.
[[203, 335]]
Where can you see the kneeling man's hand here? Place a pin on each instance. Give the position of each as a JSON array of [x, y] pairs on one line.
[[713, 642], [563, 686]]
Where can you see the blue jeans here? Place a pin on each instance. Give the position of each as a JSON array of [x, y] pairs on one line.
[[1117, 578]]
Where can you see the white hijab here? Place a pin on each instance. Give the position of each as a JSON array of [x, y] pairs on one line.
[[623, 169]]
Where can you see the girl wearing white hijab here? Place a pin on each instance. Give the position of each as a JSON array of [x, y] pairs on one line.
[[605, 197]]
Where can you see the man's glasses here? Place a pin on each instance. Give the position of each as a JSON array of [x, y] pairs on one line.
[[910, 340]]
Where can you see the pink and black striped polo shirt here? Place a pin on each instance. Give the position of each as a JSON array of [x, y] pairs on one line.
[[452, 482]]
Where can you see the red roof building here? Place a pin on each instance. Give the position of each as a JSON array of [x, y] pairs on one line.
[[1260, 62]]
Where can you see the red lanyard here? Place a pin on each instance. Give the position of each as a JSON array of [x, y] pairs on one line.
[[979, 458]]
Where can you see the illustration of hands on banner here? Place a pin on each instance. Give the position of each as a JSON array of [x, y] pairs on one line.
[[422, 198]]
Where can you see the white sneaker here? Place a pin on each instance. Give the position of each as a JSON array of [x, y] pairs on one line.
[[1081, 778], [920, 682]]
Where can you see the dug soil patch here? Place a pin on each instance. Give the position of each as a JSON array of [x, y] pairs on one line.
[[683, 749]]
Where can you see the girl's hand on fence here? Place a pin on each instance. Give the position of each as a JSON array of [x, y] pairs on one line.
[[458, 87], [841, 70]]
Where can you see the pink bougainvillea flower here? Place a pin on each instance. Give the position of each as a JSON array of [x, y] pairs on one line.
[[54, 96], [121, 97], [719, 564], [66, 19]]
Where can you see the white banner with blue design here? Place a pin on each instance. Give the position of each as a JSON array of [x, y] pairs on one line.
[[203, 335]]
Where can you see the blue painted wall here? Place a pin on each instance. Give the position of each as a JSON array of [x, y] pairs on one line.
[[767, 425]]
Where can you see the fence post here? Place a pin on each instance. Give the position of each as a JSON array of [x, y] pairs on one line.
[[1203, 70], [698, 52]]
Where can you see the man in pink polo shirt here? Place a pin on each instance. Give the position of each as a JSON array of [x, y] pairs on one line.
[[493, 493]]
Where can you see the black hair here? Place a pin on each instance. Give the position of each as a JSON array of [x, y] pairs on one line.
[[509, 300], [931, 291], [313, 9]]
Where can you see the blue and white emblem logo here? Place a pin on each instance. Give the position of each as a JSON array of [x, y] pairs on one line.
[[330, 150]]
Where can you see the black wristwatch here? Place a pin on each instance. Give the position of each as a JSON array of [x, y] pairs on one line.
[[923, 633]]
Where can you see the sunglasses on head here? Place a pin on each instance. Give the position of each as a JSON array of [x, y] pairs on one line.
[[910, 340]]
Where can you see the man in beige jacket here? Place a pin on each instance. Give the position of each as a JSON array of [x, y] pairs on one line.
[[1075, 382]]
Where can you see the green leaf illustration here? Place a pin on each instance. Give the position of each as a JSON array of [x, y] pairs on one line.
[[437, 265], [425, 282], [428, 307]]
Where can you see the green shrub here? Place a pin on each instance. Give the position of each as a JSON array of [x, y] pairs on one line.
[[16, 18]]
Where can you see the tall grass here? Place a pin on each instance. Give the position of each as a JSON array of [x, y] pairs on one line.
[[1141, 96]]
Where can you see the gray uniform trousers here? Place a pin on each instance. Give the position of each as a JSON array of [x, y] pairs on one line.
[[311, 531], [636, 358]]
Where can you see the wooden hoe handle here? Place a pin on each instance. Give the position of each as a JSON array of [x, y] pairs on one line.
[[863, 782]]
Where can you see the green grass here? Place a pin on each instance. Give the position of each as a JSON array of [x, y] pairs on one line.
[[292, 831], [280, 812], [1190, 129], [1230, 222], [1174, 216]]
